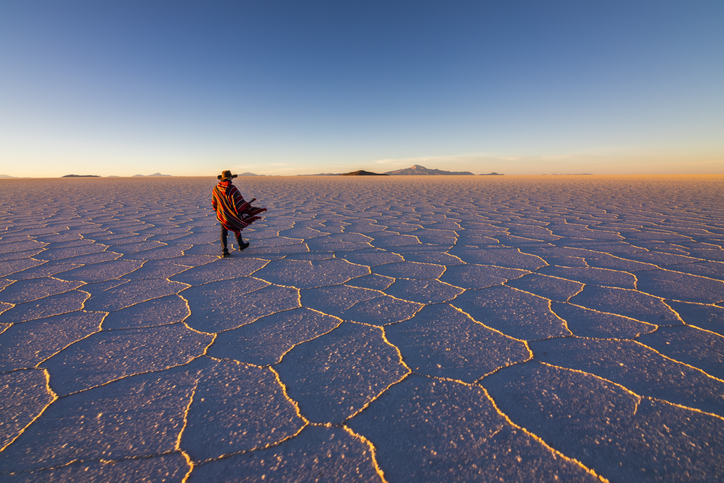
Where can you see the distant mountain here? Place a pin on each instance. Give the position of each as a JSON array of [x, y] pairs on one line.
[[492, 174], [250, 174], [362, 172], [81, 176], [421, 170], [149, 175], [321, 174], [158, 174], [5, 176]]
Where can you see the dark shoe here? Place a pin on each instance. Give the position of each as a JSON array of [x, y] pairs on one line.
[[225, 254], [243, 246]]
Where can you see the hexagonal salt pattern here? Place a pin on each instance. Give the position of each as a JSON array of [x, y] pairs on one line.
[[380, 329]]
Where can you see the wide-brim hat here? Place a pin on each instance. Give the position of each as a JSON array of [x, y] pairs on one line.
[[226, 175]]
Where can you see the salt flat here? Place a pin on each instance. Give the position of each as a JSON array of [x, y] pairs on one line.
[[386, 328]]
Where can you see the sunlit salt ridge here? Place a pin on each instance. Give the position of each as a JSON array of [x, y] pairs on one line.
[[386, 328]]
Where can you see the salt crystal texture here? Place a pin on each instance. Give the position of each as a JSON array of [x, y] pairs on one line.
[[389, 328]]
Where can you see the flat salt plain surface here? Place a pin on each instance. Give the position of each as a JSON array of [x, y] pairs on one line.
[[398, 328]]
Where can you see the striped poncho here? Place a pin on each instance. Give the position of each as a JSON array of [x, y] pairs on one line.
[[232, 211]]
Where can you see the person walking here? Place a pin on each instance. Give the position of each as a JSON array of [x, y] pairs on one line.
[[232, 211]]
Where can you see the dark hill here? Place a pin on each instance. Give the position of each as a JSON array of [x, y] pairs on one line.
[[362, 172]]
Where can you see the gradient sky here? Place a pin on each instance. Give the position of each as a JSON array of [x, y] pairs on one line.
[[299, 87]]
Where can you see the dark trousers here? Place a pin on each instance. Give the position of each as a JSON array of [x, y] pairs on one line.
[[224, 234]]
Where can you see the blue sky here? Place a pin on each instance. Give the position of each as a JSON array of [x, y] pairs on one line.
[[299, 87]]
